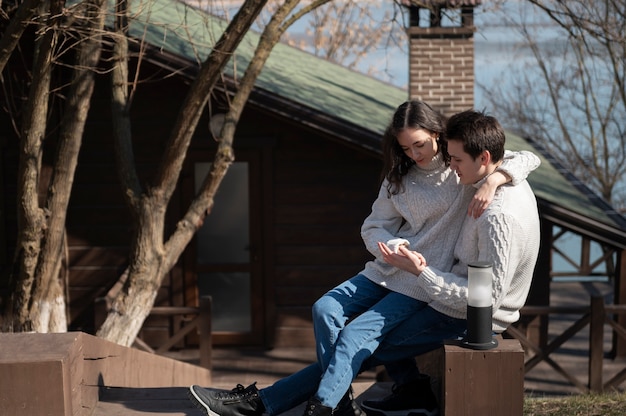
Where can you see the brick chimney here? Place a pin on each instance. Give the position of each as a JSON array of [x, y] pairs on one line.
[[441, 53]]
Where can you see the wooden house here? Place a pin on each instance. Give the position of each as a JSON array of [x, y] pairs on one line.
[[286, 224]]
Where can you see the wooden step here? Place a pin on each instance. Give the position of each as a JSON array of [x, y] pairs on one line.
[[62, 374], [173, 401], [162, 401]]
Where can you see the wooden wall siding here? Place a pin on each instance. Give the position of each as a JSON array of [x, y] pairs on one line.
[[441, 72], [322, 193]]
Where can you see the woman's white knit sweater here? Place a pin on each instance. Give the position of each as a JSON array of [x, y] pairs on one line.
[[429, 214]]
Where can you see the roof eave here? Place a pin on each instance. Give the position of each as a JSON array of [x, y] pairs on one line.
[[583, 225], [330, 126]]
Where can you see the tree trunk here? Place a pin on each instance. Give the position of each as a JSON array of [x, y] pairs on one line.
[[31, 218], [38, 302], [49, 293], [134, 302]]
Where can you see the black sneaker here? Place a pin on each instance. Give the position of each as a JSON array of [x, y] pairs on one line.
[[412, 399], [347, 406], [315, 408], [239, 401]]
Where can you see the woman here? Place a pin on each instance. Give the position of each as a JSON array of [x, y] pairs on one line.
[[421, 205]]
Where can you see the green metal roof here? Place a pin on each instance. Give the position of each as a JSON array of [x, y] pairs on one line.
[[322, 86], [290, 72]]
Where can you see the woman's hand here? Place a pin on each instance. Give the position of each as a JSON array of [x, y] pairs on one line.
[[481, 200], [484, 195], [405, 259]]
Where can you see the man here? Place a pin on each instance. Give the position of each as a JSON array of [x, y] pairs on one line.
[[505, 235]]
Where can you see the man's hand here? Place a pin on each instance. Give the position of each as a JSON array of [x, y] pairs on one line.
[[405, 259]]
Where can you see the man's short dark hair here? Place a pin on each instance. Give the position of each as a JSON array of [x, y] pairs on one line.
[[478, 132]]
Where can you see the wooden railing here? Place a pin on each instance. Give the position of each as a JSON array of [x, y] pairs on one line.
[[596, 315], [192, 318]]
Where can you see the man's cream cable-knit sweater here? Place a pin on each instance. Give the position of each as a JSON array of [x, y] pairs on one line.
[[507, 235]]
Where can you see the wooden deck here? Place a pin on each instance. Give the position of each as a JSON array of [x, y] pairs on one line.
[[134, 383], [245, 366]]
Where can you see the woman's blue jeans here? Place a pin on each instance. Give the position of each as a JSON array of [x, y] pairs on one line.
[[350, 323]]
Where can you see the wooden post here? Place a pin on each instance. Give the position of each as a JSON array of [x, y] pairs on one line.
[[204, 332], [486, 383], [536, 327], [619, 343], [596, 343]]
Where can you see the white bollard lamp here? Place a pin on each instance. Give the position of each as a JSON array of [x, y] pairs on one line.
[[479, 307]]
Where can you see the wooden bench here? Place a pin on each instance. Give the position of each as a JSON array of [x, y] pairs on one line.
[[476, 382]]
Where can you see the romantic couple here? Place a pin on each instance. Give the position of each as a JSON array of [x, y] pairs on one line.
[[450, 196]]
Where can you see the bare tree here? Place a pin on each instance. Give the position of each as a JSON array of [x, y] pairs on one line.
[[35, 284], [572, 97], [347, 32], [151, 257], [363, 35]]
